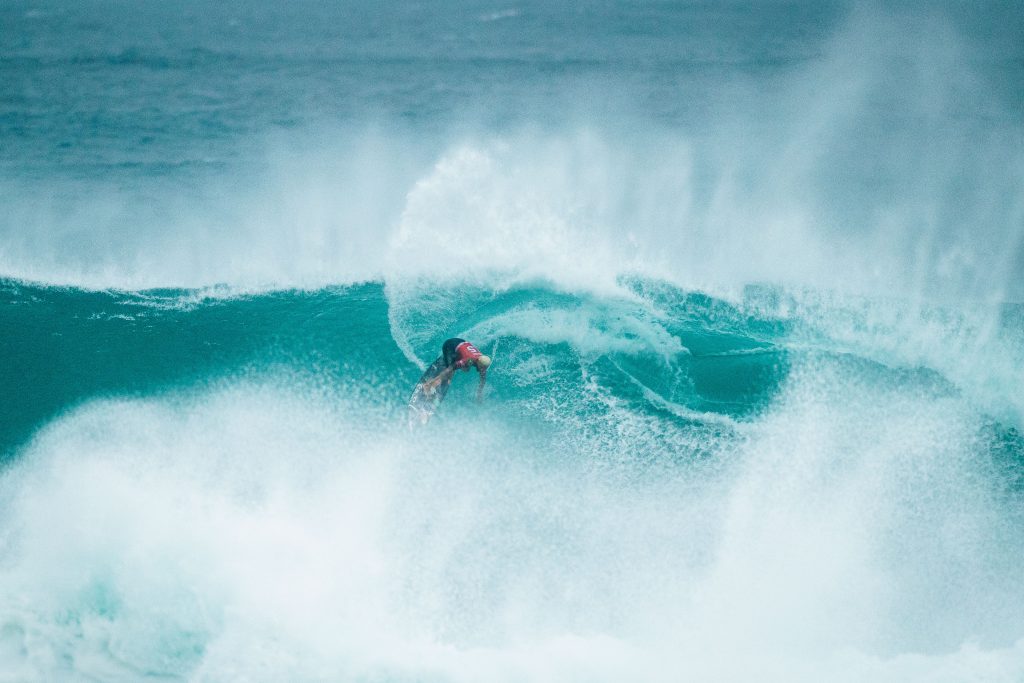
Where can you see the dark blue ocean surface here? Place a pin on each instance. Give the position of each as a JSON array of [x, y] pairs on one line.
[[884, 140]]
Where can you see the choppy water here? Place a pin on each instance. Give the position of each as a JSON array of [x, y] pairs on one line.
[[751, 274]]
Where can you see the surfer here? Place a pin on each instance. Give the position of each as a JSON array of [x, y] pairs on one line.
[[456, 354]]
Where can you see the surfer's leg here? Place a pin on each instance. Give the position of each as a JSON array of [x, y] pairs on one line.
[[441, 389], [434, 370]]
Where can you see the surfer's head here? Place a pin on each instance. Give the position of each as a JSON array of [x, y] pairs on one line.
[[483, 362]]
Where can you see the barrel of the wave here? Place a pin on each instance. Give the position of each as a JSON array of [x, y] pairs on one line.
[[456, 354]]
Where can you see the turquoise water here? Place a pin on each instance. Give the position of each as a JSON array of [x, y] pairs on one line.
[[697, 355], [751, 273]]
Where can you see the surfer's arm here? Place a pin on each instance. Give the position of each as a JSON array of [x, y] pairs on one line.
[[480, 387]]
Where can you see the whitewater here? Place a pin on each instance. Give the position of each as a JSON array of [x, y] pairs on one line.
[[752, 276]]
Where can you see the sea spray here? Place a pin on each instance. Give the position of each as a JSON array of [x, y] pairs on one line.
[[279, 522]]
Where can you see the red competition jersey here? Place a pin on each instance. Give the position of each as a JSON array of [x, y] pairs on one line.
[[467, 352]]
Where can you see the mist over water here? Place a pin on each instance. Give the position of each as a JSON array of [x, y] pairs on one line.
[[781, 143], [752, 275]]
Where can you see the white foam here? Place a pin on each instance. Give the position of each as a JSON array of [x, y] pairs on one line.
[[256, 531]]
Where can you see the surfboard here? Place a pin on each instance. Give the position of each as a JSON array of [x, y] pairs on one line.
[[426, 398]]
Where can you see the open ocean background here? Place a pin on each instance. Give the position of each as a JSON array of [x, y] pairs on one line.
[[752, 274]]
